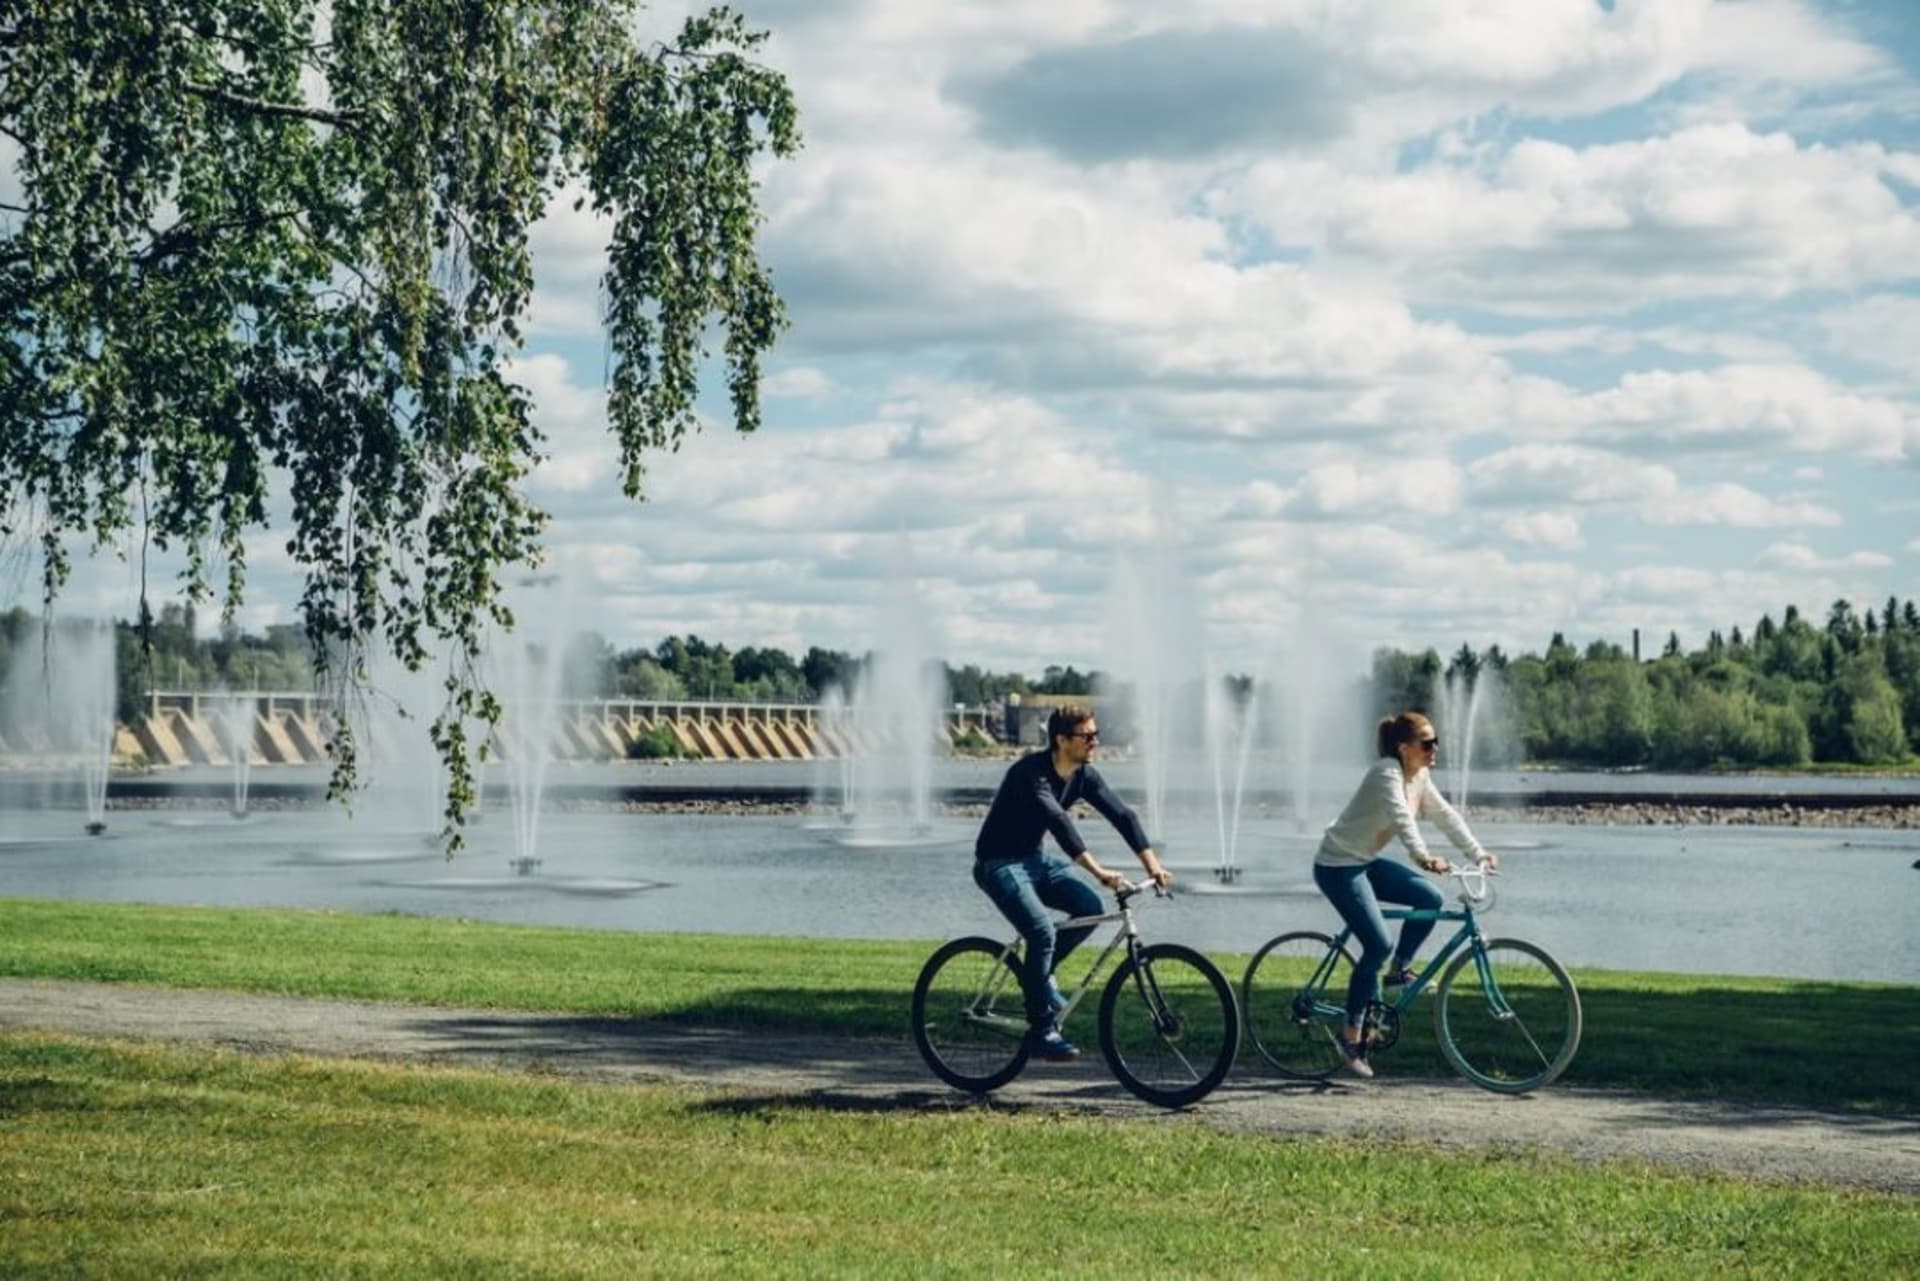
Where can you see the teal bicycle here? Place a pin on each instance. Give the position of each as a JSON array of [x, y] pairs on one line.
[[1505, 1012]]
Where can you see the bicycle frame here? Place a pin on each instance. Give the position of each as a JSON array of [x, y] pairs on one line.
[[1468, 935], [1128, 935]]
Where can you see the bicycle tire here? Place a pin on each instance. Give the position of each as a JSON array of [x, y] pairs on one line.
[[1295, 1027], [1508, 1055], [969, 1016], [1169, 1025]]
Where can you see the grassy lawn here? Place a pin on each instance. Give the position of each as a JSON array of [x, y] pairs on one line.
[[131, 1160], [1759, 1039]]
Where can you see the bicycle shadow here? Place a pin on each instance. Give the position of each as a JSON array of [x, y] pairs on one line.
[[1012, 1101]]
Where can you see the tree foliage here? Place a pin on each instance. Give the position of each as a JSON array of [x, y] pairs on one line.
[[275, 254], [1785, 694]]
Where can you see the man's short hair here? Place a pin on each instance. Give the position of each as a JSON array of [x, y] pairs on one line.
[[1067, 720]]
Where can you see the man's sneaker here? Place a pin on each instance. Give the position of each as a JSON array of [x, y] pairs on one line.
[[1051, 1047], [1353, 1057], [1399, 978], [1056, 999]]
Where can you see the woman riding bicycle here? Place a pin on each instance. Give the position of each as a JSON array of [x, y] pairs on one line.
[[1396, 791]]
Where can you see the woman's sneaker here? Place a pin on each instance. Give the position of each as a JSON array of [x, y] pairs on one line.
[[1353, 1057], [1051, 1047], [1400, 977]]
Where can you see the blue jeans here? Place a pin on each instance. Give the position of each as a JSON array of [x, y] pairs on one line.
[[1356, 892], [1023, 889]]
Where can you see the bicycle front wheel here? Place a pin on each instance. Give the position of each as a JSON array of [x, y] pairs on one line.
[[1507, 1016], [1294, 999], [969, 1017], [1168, 1025]]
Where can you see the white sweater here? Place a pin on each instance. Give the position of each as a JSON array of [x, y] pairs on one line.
[[1385, 805]]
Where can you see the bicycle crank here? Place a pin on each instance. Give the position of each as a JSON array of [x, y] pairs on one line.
[[1381, 1026]]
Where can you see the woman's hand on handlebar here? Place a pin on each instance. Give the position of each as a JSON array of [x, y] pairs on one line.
[[1435, 864], [1490, 860]]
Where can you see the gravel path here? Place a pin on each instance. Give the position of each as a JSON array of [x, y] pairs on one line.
[[1758, 1141]]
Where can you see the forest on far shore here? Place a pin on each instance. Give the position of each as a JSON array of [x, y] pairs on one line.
[[1784, 693]]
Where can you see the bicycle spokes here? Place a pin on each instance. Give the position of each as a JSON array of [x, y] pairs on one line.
[[1169, 1025], [1294, 1000], [1508, 1017]]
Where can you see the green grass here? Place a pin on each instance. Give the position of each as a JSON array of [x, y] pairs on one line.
[[1771, 1040], [1817, 769], [163, 1162]]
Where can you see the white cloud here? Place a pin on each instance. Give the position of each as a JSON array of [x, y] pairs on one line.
[[1558, 530], [1728, 504], [1751, 406], [1713, 210], [1527, 474], [1419, 487], [1663, 582], [1883, 329], [11, 192], [1260, 499], [579, 447], [1800, 557], [798, 382], [1615, 341], [1784, 40]]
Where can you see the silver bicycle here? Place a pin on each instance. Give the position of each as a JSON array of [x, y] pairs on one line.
[[1169, 1026]]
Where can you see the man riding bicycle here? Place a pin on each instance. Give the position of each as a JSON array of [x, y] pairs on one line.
[[1024, 880]]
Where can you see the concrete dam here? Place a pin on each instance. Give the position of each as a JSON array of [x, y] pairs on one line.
[[294, 729]]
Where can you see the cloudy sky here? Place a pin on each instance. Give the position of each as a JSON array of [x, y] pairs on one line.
[[1409, 322]]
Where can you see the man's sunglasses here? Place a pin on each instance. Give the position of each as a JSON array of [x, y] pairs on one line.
[[1091, 735]]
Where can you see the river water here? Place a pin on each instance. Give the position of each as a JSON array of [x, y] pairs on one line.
[[1799, 902]]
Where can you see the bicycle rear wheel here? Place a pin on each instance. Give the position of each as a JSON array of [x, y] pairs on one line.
[[1168, 1025], [1511, 1024], [969, 1017], [1294, 1001]]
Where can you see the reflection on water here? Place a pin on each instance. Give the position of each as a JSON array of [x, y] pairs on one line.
[[1820, 903]]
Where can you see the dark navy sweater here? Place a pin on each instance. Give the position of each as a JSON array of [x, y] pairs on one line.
[[1033, 800]]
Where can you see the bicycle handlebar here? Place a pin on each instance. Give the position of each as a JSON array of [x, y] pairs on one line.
[[1473, 880]]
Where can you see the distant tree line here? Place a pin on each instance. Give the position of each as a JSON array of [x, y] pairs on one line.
[[692, 668], [172, 657], [1786, 693]]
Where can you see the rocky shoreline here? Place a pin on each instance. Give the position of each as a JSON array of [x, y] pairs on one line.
[[1623, 812]]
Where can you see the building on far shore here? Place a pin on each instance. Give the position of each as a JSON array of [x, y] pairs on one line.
[[1025, 715]]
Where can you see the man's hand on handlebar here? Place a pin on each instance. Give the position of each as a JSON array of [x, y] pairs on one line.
[[1159, 875]]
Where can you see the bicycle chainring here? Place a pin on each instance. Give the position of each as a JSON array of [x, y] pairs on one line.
[[1382, 1027]]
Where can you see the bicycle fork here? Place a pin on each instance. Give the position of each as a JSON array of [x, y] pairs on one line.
[[1165, 1021], [1490, 985]]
